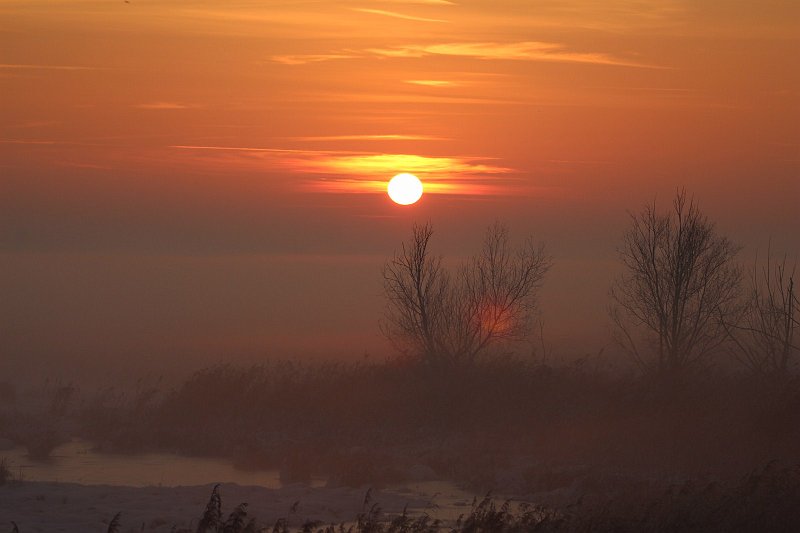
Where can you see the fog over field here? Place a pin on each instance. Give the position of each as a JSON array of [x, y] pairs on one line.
[[399, 265]]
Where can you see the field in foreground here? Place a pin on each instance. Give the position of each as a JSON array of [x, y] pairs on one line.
[[67, 507], [586, 446], [764, 501]]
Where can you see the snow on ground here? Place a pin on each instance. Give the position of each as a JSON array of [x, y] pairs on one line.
[[68, 507]]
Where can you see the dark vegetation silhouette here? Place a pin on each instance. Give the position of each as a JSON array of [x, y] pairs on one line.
[[441, 318], [114, 525], [764, 501], [212, 517], [764, 333], [502, 423], [636, 450], [678, 287], [5, 472], [44, 428]]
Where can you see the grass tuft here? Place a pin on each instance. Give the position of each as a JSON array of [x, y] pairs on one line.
[[212, 517], [114, 525]]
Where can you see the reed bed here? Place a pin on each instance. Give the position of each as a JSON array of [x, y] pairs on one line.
[[501, 424], [766, 500]]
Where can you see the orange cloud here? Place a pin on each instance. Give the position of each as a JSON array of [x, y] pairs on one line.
[[164, 105], [45, 67], [370, 138], [406, 97], [394, 14], [368, 172], [431, 2], [517, 51], [27, 141], [433, 83], [302, 59], [372, 164], [520, 51]]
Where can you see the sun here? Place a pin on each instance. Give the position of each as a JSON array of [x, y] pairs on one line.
[[405, 189]]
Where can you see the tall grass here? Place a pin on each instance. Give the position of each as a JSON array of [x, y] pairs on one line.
[[5, 472], [500, 424], [766, 500]]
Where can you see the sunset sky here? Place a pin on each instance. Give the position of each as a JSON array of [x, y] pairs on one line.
[[204, 181]]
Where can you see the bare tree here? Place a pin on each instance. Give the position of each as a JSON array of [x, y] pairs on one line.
[[678, 286], [764, 333], [446, 319], [417, 288]]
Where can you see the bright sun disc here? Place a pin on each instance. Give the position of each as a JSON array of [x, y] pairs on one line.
[[405, 189]]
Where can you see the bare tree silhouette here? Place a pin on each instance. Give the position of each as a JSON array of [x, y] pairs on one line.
[[445, 319], [764, 333], [679, 286]]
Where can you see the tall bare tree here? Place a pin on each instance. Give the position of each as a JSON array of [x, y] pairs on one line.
[[764, 334], [417, 289], [445, 318], [678, 285]]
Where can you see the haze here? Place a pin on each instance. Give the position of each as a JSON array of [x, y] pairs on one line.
[[188, 182]]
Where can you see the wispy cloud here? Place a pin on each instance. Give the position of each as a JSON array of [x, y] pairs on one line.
[[388, 137], [395, 14], [46, 142], [45, 67], [164, 105], [29, 141], [516, 51], [35, 124], [644, 89], [433, 83], [429, 2], [233, 148], [519, 51], [368, 172], [83, 165], [302, 59], [407, 97], [376, 164]]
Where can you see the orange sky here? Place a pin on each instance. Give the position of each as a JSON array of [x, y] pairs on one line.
[[205, 179]]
